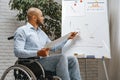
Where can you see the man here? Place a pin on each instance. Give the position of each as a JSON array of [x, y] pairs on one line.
[[29, 41]]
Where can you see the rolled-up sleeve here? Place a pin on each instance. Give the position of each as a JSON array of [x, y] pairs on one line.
[[19, 43]]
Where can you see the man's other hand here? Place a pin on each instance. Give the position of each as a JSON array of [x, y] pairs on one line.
[[72, 35], [43, 52]]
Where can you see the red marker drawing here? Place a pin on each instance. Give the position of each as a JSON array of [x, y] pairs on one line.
[[81, 1], [74, 4]]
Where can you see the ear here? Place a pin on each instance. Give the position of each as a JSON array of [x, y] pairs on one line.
[[34, 18]]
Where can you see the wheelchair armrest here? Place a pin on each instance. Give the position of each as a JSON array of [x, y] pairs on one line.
[[28, 59]]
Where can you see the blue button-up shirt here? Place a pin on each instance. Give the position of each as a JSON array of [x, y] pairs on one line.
[[27, 41]]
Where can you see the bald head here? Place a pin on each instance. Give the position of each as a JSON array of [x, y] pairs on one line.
[[35, 17], [33, 12]]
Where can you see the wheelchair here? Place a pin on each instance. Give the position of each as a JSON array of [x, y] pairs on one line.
[[28, 69]]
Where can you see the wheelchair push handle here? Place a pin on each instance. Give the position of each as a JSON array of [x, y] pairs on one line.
[[11, 37]]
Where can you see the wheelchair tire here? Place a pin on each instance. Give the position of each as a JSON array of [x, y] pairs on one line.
[[56, 78], [22, 68]]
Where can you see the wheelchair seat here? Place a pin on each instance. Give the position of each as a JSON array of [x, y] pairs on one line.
[[34, 65]]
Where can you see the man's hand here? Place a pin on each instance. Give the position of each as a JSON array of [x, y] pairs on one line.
[[72, 35], [43, 52]]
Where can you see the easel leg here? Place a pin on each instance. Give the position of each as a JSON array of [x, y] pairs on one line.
[[85, 69], [104, 65]]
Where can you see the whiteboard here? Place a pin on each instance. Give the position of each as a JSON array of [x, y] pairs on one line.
[[90, 19]]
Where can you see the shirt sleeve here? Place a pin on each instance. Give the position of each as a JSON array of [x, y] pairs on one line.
[[19, 43]]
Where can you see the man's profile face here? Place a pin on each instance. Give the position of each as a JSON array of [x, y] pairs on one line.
[[40, 18]]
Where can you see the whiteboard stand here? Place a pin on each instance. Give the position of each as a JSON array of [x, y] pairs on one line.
[[105, 69], [104, 65]]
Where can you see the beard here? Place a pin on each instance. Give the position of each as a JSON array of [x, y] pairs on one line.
[[39, 23]]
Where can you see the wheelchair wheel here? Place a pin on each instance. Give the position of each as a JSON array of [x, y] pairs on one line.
[[18, 72], [56, 78]]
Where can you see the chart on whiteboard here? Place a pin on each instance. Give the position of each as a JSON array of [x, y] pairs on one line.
[[73, 8], [90, 19], [95, 5]]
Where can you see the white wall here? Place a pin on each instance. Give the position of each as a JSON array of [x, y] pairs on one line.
[[8, 25]]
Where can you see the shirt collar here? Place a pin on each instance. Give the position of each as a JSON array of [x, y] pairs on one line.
[[31, 27]]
